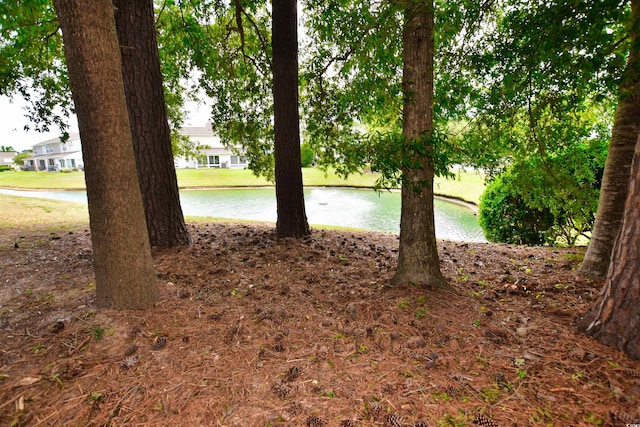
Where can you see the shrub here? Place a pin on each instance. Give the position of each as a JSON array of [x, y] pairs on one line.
[[307, 155], [550, 199], [505, 217], [18, 159]]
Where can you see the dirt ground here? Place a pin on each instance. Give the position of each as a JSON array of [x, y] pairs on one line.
[[256, 331]]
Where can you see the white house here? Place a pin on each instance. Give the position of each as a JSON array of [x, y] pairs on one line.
[[6, 158], [55, 155], [212, 153]]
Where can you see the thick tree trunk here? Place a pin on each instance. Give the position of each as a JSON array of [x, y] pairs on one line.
[[418, 261], [292, 218], [615, 319], [613, 191], [122, 261], [149, 126]]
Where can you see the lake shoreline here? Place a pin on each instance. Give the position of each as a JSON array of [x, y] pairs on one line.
[[470, 205], [361, 208]]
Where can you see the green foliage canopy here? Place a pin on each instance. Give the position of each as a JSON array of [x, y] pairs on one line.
[[32, 65], [553, 201], [224, 49], [537, 69]]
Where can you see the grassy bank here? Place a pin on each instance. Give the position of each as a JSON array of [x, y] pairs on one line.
[[25, 212], [467, 186]]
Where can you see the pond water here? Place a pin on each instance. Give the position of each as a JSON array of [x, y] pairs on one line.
[[344, 207]]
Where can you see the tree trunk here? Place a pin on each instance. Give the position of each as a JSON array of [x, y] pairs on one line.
[[613, 191], [149, 126], [418, 261], [122, 261], [292, 218], [615, 319]]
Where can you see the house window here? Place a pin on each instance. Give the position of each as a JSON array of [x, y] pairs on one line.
[[64, 147], [48, 149], [238, 161], [42, 164], [214, 161], [52, 162], [72, 163], [62, 163]]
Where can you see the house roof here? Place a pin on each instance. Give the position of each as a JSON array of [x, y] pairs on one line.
[[72, 137], [215, 150], [190, 131], [8, 154], [197, 130], [63, 155]]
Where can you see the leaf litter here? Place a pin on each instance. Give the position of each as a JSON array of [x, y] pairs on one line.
[[258, 331]]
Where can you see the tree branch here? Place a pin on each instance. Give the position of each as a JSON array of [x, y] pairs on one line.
[[239, 11]]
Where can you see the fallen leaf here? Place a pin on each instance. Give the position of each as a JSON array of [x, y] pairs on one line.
[[29, 380]]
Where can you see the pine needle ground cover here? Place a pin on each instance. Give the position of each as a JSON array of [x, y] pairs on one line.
[[256, 331]]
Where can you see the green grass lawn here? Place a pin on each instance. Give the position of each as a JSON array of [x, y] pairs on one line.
[[43, 180], [467, 186], [26, 212]]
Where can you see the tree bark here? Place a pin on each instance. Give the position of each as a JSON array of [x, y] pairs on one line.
[[418, 261], [149, 125], [122, 261], [292, 218], [615, 319], [613, 190]]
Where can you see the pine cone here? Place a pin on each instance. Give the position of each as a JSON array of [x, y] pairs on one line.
[[452, 391], [393, 420], [459, 378], [314, 421], [160, 342], [295, 409], [348, 423], [624, 418], [374, 410], [135, 332], [500, 379], [283, 390], [421, 423], [632, 373], [577, 353], [293, 373], [131, 350], [129, 362], [484, 421], [415, 342]]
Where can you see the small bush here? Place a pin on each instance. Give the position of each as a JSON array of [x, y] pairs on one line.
[[546, 199], [505, 217], [306, 155]]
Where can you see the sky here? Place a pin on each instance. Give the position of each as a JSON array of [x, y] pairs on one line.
[[13, 121]]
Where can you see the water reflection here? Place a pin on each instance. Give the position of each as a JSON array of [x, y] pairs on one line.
[[344, 207]]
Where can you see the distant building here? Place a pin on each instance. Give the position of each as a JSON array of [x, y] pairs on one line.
[[212, 154], [55, 155], [6, 158]]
